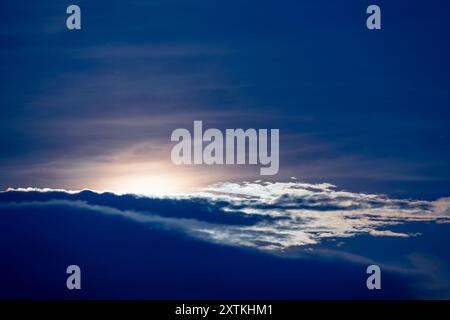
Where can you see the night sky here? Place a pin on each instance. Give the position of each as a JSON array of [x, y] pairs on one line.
[[364, 147], [366, 110]]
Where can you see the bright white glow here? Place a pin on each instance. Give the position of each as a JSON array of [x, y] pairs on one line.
[[158, 185]]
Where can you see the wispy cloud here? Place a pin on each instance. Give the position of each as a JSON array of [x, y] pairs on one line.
[[313, 212], [282, 215]]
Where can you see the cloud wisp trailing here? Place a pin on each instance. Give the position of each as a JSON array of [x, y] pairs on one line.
[[308, 213], [263, 215]]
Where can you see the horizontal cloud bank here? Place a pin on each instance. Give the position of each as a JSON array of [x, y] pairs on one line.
[[261, 215]]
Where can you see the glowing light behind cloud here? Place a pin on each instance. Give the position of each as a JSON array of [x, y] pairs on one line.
[[143, 168]]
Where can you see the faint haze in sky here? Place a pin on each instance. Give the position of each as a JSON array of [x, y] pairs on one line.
[[94, 108]]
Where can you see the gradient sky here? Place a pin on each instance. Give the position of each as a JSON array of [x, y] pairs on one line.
[[367, 110]]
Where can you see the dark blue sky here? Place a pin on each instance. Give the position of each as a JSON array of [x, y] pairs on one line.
[[367, 110], [160, 256]]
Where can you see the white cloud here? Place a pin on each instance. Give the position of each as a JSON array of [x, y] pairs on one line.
[[291, 214], [309, 213]]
